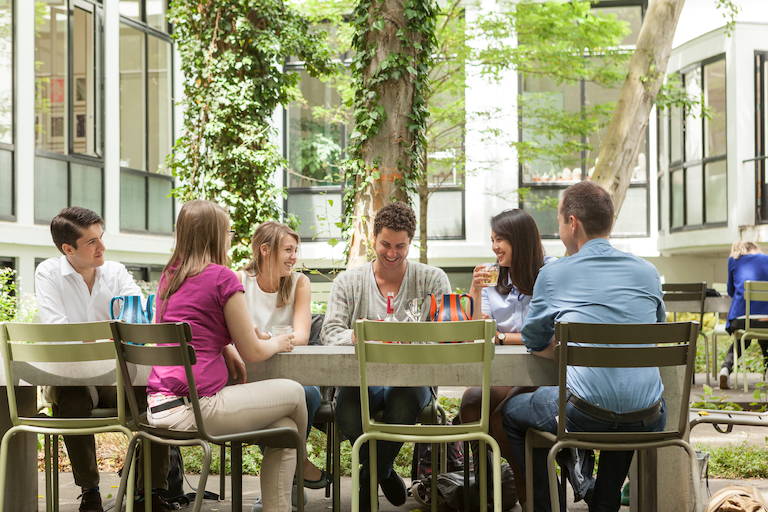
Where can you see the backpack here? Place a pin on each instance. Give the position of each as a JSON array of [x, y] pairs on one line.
[[737, 498]]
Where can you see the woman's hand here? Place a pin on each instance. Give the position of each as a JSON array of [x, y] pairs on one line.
[[479, 278], [261, 335], [283, 342], [235, 364]]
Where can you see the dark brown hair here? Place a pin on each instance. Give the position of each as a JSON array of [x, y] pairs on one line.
[[69, 224], [591, 204], [519, 229], [397, 217]]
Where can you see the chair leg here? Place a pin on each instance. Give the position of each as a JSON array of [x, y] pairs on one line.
[[698, 500], [204, 469], [336, 502], [374, 479], [236, 474], [55, 472], [529, 472], [482, 457], [222, 470], [496, 451], [328, 456], [554, 488], [48, 477], [744, 366], [127, 475], [706, 359], [467, 447], [355, 473], [301, 446], [433, 487]]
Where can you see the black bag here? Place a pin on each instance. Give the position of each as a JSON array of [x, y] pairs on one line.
[[450, 491], [421, 463]]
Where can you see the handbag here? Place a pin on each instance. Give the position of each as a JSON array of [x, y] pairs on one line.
[[449, 308], [131, 309]]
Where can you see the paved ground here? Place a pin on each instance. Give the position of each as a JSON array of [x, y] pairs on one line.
[[318, 503]]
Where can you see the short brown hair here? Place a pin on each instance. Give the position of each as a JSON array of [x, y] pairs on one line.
[[397, 217], [591, 204], [69, 224]]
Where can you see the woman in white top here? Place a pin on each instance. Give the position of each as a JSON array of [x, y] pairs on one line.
[[279, 299]]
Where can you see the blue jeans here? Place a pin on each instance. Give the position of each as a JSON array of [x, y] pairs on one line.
[[314, 399], [401, 405], [538, 410]]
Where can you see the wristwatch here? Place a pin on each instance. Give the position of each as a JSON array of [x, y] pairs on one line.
[[500, 337]]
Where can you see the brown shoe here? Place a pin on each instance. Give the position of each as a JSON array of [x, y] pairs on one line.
[[90, 501], [724, 374]]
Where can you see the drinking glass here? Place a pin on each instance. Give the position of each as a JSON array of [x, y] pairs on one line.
[[278, 330], [493, 274]]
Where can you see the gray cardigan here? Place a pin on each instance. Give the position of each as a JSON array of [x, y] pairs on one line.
[[350, 295]]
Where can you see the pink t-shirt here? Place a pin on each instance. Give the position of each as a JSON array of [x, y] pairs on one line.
[[199, 301]]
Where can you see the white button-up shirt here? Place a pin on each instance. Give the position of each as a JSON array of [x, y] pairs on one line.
[[63, 297]]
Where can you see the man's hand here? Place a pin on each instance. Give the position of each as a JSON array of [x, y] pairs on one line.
[[235, 364]]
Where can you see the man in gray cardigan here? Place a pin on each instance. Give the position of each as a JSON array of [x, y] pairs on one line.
[[361, 293]]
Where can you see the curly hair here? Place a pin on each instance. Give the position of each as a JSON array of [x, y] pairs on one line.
[[397, 217]]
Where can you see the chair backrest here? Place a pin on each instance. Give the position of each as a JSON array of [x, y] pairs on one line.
[[418, 343], [649, 345], [753, 290], [164, 344], [686, 292], [57, 343]]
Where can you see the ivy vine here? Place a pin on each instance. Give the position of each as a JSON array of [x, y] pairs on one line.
[[232, 54], [412, 63]]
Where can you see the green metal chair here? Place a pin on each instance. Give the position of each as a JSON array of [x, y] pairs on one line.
[[53, 343], [757, 291], [137, 344], [655, 345], [694, 293], [410, 349]]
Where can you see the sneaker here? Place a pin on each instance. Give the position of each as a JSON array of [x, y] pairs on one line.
[[394, 488], [724, 374], [90, 501]]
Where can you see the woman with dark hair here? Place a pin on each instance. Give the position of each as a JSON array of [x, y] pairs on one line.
[[517, 245]]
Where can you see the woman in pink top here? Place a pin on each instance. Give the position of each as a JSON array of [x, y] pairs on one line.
[[197, 287]]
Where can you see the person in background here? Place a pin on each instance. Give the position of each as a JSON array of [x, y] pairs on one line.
[[516, 242], [362, 292], [78, 287], [278, 297], [746, 263], [198, 288]]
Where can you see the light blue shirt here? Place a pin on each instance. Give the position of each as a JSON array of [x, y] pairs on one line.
[[599, 284], [509, 310]]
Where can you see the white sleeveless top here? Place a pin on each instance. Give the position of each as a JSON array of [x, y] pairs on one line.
[[263, 305]]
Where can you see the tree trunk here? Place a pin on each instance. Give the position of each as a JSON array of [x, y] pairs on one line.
[[423, 205], [647, 68], [385, 154]]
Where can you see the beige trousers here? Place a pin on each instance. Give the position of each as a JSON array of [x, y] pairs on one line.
[[252, 406]]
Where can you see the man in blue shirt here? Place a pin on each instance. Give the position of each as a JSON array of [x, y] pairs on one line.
[[595, 283]]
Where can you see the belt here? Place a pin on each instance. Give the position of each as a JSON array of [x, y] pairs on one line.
[[169, 405], [616, 417]]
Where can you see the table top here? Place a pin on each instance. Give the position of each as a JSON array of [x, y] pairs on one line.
[[320, 365]]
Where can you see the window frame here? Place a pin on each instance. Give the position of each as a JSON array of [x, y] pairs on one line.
[[147, 32], [11, 148], [559, 186], [70, 157], [761, 137], [684, 164]]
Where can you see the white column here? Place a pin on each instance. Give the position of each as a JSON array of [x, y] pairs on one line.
[[24, 121], [112, 116]]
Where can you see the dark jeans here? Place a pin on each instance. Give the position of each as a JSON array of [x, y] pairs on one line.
[[401, 405], [75, 401], [538, 410], [314, 400], [739, 324]]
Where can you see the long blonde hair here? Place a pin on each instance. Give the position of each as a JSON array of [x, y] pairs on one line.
[[739, 249], [271, 233], [202, 234]]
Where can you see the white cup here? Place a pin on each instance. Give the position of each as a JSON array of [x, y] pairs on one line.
[[278, 330]]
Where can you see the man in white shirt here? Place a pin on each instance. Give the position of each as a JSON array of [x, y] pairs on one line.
[[78, 287]]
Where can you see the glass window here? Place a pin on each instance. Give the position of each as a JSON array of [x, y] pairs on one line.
[[6, 73], [132, 108], [631, 15], [86, 187], [51, 76], [156, 14], [160, 205], [133, 207], [693, 135], [131, 9], [318, 212], [633, 217], [716, 191], [159, 136], [676, 134], [714, 127], [677, 198], [694, 195], [50, 188], [445, 214], [6, 183], [83, 127], [542, 205]]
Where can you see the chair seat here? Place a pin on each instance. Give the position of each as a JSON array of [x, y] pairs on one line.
[[608, 438]]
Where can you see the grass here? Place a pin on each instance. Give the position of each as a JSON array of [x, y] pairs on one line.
[[737, 462]]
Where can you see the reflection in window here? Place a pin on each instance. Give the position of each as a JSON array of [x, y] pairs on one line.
[[694, 195], [6, 183], [159, 136], [677, 198], [132, 108], [633, 217], [714, 126], [83, 126], [6, 73], [50, 188], [693, 135], [716, 187], [51, 76], [542, 205], [85, 183], [133, 204], [445, 214], [319, 214]]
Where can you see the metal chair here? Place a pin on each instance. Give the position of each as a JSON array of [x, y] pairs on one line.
[[408, 350], [58, 343], [594, 345], [753, 291], [694, 293], [142, 350]]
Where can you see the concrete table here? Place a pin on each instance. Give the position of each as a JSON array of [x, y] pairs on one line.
[[314, 365]]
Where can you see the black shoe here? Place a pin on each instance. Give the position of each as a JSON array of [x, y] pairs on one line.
[[158, 504], [394, 488], [90, 501]]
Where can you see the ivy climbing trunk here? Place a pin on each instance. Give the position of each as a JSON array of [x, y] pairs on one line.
[[393, 43], [619, 148]]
